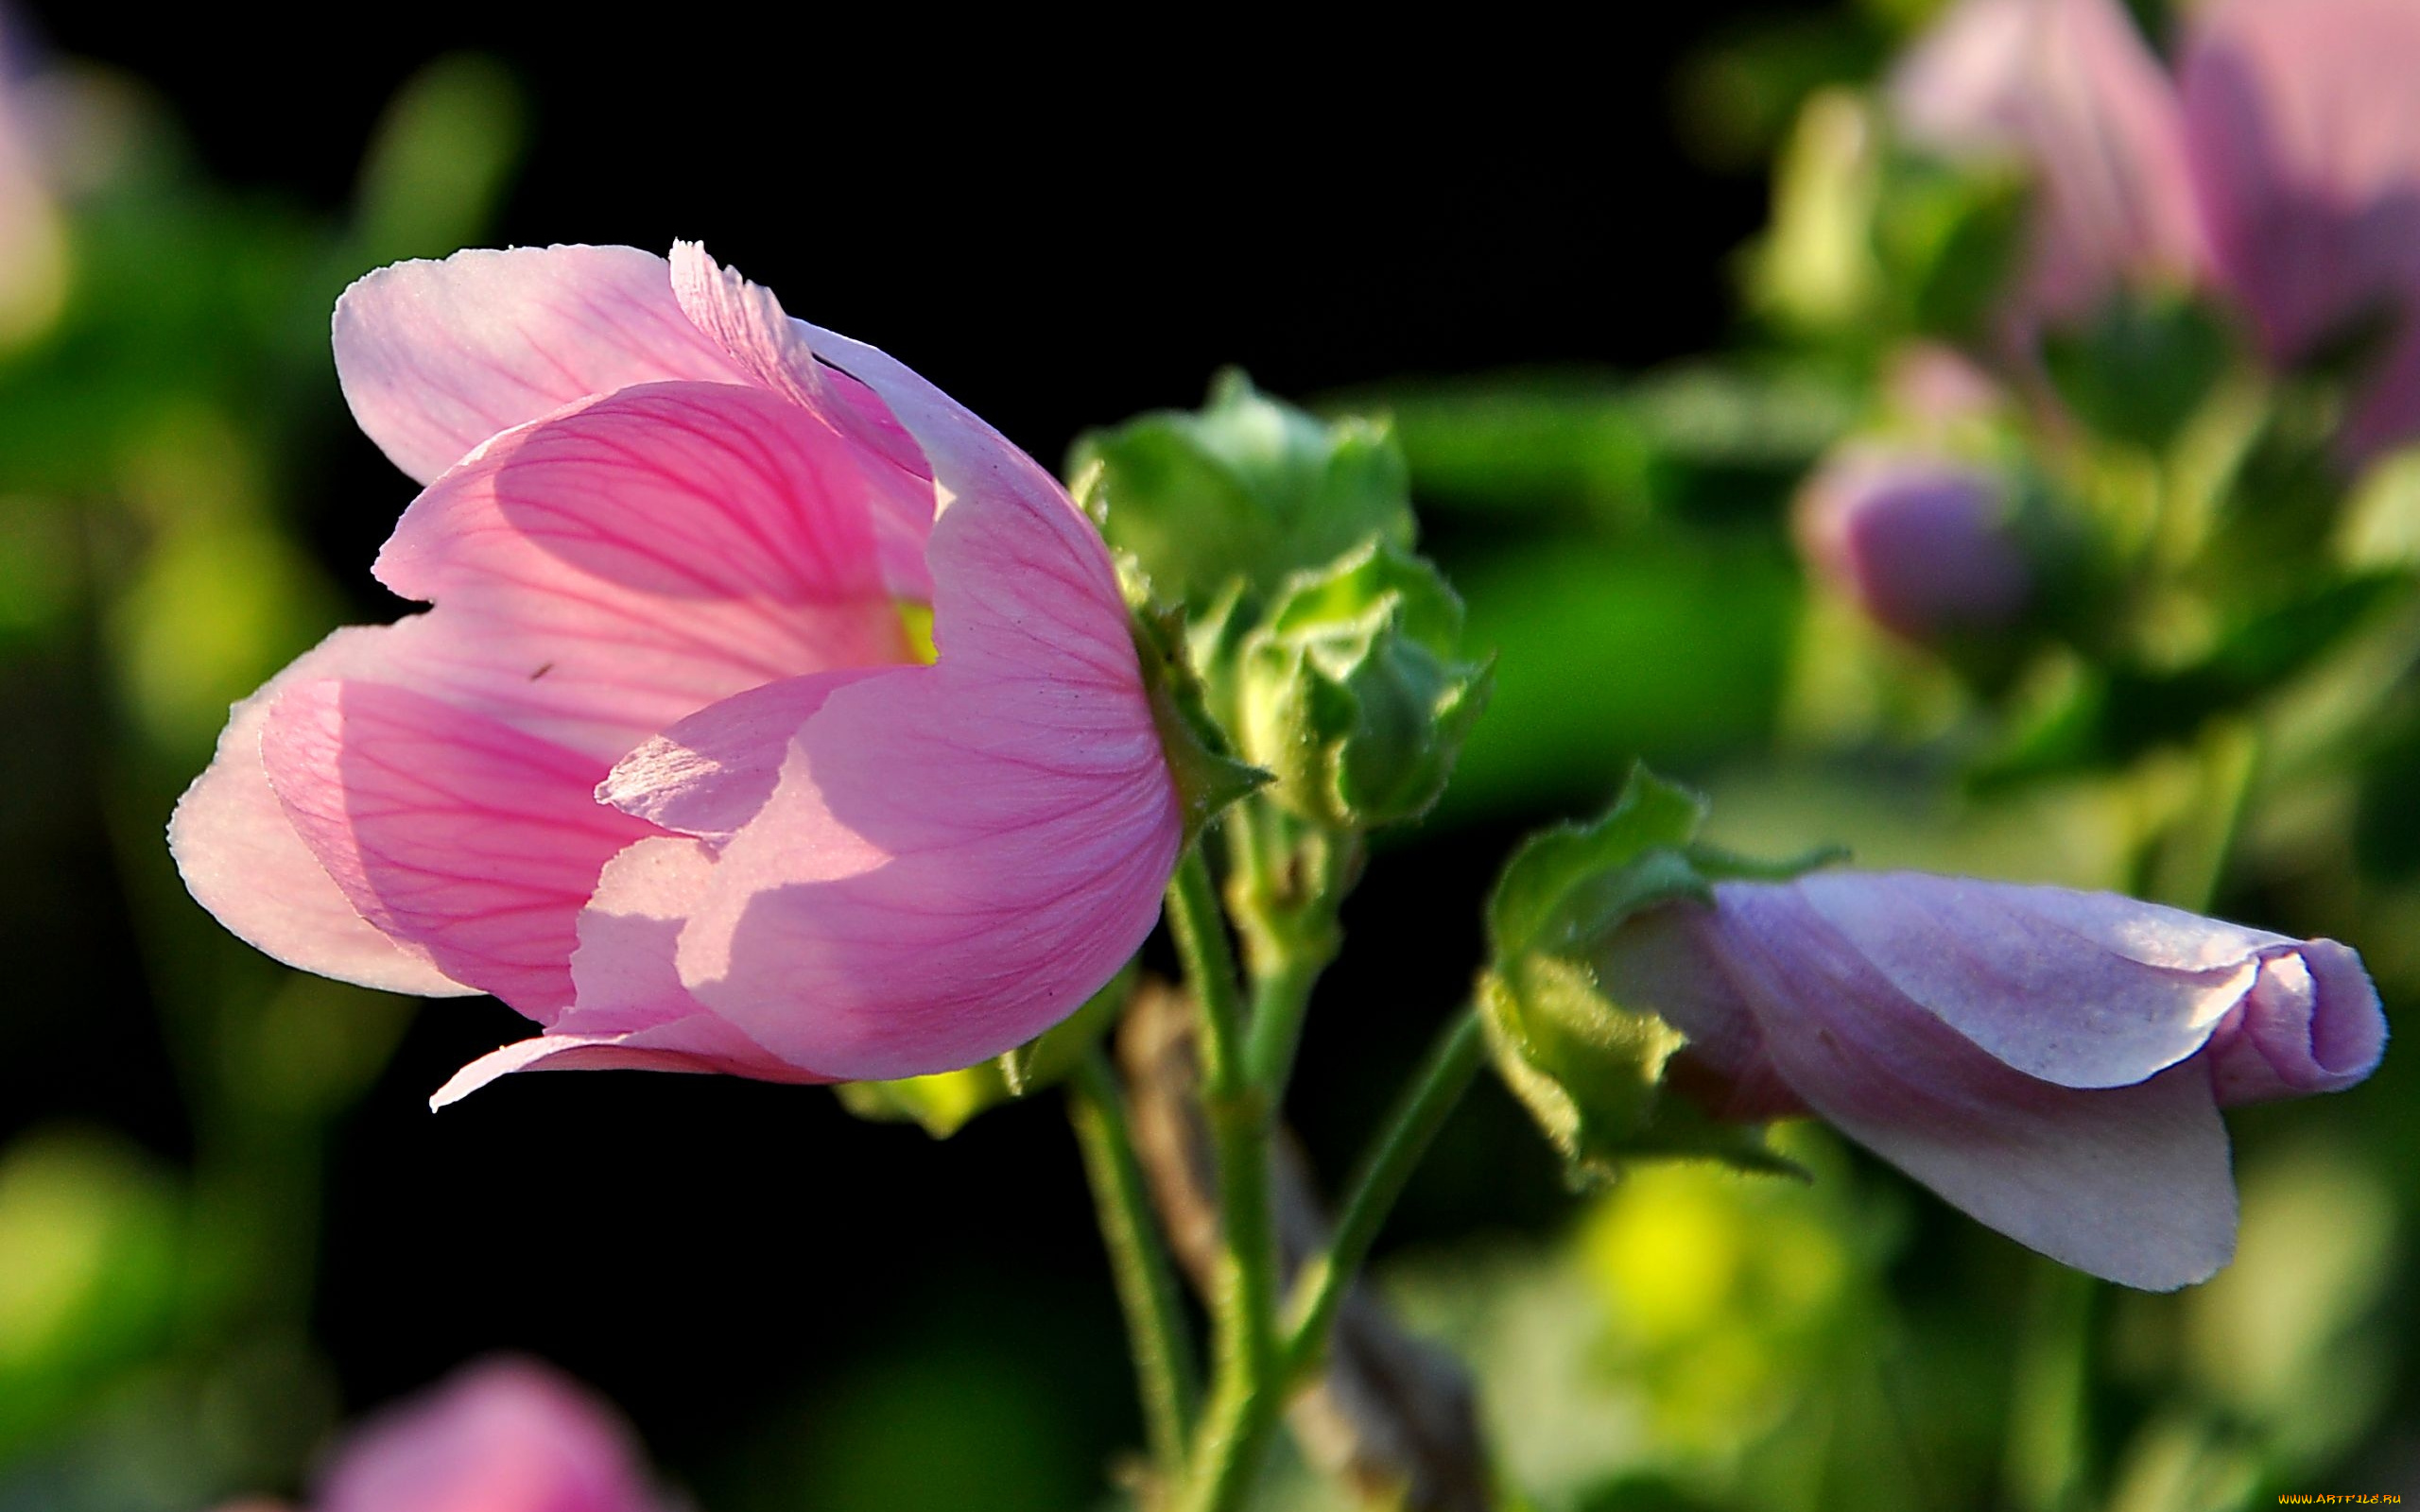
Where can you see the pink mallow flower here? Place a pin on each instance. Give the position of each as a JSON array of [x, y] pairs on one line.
[[665, 768], [503, 1435], [2303, 125], [2053, 1062], [1918, 542], [2282, 163], [2068, 89]]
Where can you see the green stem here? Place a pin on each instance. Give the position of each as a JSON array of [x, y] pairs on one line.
[[1281, 995], [1422, 1111], [1243, 1298], [2052, 1397], [1209, 961], [1289, 930], [1165, 1369]]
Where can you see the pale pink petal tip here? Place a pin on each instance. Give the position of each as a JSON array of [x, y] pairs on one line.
[[245, 862], [435, 357]]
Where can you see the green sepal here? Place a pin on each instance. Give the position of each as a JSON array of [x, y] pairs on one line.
[[1568, 886], [1200, 762], [1591, 1073], [1350, 690], [1245, 490], [1591, 1070], [944, 1101]]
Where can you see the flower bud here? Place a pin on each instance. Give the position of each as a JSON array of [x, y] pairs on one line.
[[1246, 491], [1919, 543], [2050, 1061], [1350, 693]]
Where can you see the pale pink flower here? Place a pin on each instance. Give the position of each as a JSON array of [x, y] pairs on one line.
[[1918, 542], [661, 769], [2303, 125], [503, 1435], [2283, 166], [2053, 1062], [2067, 87]]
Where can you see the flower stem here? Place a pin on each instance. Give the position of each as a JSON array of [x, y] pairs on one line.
[[2053, 1397], [1426, 1101], [1243, 1300], [1289, 881], [1209, 963], [1165, 1369]]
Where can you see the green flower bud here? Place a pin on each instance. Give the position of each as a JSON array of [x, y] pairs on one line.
[[1349, 691], [1244, 492]]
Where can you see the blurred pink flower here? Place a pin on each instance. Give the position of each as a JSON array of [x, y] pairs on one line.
[[1918, 542], [2303, 125], [2068, 88], [2050, 1061], [2284, 165], [662, 769], [502, 1435]]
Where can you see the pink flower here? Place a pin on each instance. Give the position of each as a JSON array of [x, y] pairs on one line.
[[2304, 135], [662, 769], [2068, 88], [504, 1436], [1919, 543], [2284, 165], [2050, 1061]]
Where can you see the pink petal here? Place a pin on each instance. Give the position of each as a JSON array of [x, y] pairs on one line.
[[2083, 990], [633, 1013], [746, 320], [435, 357], [954, 856], [244, 861], [968, 459], [2069, 87], [507, 1436], [2306, 155], [448, 830], [2130, 1183], [2311, 1025], [712, 772], [608, 570]]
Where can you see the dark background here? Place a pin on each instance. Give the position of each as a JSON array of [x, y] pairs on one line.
[[1060, 229]]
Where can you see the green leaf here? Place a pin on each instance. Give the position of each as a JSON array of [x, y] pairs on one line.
[[1594, 448], [1949, 237], [443, 155], [1670, 650], [1245, 489], [2141, 366]]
